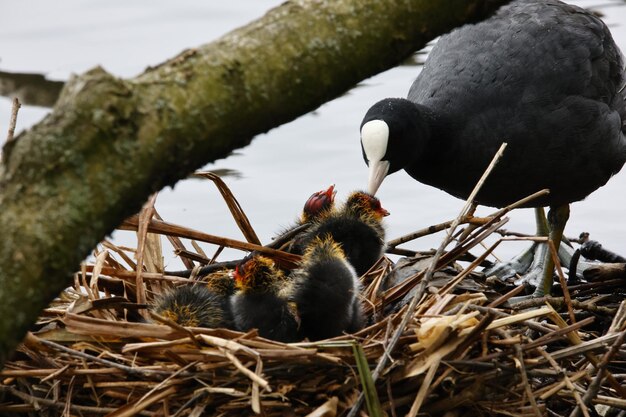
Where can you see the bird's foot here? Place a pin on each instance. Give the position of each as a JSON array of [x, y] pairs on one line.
[[538, 293], [528, 267], [519, 265]]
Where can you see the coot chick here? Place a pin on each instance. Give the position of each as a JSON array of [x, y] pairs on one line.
[[221, 282], [325, 291], [318, 205], [541, 75], [357, 227], [194, 306], [259, 301]]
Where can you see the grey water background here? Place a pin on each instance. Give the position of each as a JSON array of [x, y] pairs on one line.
[[274, 175]]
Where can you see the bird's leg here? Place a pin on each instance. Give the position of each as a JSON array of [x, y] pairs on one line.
[[534, 263], [543, 229], [537, 252], [557, 218]]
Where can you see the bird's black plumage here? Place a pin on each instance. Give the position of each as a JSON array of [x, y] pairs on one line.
[[541, 75], [326, 292], [259, 301], [357, 226]]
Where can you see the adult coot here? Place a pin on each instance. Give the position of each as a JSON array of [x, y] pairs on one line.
[[541, 75]]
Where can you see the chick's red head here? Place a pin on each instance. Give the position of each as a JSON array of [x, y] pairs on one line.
[[366, 204], [257, 273], [318, 203]]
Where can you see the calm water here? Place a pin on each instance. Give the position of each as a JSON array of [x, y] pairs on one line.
[[280, 169]]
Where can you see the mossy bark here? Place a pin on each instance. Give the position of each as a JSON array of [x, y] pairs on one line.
[[109, 142]]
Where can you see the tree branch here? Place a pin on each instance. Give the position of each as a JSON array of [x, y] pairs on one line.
[[109, 143]]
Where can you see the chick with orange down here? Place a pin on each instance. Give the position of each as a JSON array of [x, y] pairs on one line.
[[260, 300], [195, 306], [221, 282], [357, 227], [318, 205]]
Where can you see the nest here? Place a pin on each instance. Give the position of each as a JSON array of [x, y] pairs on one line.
[[441, 339]]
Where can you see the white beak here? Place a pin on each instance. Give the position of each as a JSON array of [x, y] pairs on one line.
[[378, 172]]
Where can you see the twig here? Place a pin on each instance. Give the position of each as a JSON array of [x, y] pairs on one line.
[[188, 256], [155, 226], [286, 237], [177, 244], [522, 371], [408, 315], [559, 270], [233, 205], [575, 339], [82, 355], [205, 269], [39, 401], [566, 381], [559, 302], [419, 233], [245, 371], [424, 389], [475, 334], [142, 233], [515, 291], [594, 387], [391, 245]]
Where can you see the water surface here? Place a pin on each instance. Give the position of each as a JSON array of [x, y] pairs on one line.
[[280, 169]]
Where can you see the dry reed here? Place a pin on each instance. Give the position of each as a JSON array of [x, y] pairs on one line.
[[98, 351]]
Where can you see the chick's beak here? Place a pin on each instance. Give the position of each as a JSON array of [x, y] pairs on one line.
[[236, 274], [377, 172], [330, 193]]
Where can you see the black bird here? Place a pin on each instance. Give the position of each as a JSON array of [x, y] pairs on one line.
[[194, 306], [357, 226], [260, 302], [541, 75], [326, 292]]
